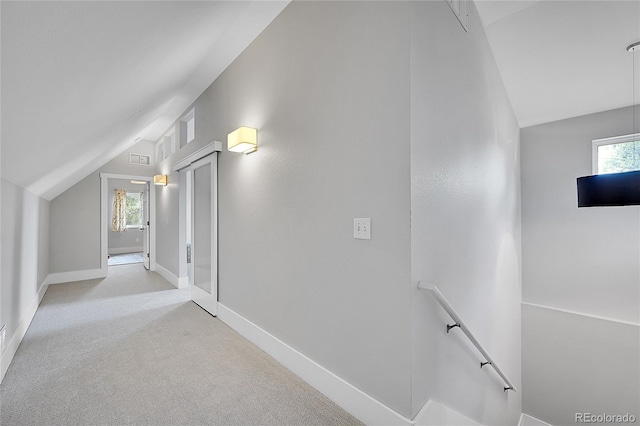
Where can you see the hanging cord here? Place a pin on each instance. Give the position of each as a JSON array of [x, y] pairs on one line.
[[633, 48]]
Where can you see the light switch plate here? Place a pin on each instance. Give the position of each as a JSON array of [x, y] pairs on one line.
[[362, 228]]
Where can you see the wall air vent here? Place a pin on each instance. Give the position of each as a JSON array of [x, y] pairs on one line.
[[139, 159]]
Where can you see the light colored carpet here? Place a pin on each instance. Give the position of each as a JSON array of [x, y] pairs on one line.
[[133, 350], [125, 259]]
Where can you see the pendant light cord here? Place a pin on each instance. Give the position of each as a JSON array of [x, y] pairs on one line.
[[635, 139]]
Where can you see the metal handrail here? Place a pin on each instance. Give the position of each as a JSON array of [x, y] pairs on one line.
[[435, 292]]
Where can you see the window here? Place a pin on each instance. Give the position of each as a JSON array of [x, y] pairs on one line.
[[617, 154], [188, 127], [170, 142], [133, 210], [160, 151], [166, 145]]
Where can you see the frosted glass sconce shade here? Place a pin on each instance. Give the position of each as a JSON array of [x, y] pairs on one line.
[[160, 180], [244, 139]]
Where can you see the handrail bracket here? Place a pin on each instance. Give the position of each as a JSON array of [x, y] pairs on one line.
[[435, 292], [449, 327]]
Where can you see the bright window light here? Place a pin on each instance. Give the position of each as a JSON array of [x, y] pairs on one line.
[[616, 155]]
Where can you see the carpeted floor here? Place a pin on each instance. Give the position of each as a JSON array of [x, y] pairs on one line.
[[133, 350], [125, 259]]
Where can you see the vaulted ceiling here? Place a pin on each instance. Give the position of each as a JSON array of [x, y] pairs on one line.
[[81, 81], [561, 59]]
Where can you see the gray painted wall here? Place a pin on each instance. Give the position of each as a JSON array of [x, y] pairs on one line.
[[465, 217], [327, 87], [337, 140], [75, 215], [578, 364], [167, 229], [587, 259], [584, 260], [25, 262], [131, 238]]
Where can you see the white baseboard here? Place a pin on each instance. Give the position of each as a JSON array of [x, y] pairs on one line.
[[435, 414], [168, 275], [18, 335], [582, 314], [359, 404], [527, 420], [123, 250], [183, 282], [65, 277]]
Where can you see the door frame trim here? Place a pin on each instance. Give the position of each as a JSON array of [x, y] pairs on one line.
[[198, 295], [104, 237], [181, 167]]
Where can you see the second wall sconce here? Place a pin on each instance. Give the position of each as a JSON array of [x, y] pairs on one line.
[[160, 180], [243, 139]]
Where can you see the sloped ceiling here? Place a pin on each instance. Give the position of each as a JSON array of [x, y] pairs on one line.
[[561, 59], [82, 80]]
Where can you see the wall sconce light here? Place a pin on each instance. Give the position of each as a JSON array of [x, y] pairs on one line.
[[243, 139], [139, 182], [160, 180]]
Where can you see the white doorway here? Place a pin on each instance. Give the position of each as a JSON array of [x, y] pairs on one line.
[[199, 226], [204, 273], [128, 242], [135, 243]]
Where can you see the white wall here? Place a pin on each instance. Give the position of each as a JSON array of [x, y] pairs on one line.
[[579, 260], [395, 107], [327, 87], [75, 215], [465, 217], [167, 221], [578, 364], [130, 240], [25, 262]]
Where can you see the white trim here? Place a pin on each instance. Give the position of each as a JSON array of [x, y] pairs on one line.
[[195, 156], [18, 335], [167, 275], [182, 232], [104, 239], [535, 420], [359, 404], [140, 156], [608, 141], [123, 250], [207, 153], [126, 177], [104, 209], [207, 300], [598, 317], [66, 277], [434, 413], [183, 282]]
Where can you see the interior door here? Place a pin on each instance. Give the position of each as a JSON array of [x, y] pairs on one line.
[[145, 226], [204, 275]]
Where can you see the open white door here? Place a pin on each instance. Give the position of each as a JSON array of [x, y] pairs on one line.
[[204, 256]]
